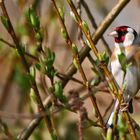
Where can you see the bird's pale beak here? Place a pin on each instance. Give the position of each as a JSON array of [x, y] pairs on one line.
[[114, 34]]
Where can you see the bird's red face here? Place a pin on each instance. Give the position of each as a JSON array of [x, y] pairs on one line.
[[124, 35], [121, 32]]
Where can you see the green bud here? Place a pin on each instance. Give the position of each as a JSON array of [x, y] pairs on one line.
[[95, 81], [74, 48], [32, 72], [39, 36], [38, 66], [85, 26], [58, 88], [64, 34], [58, 91], [5, 22], [104, 57], [76, 64], [34, 20], [32, 95], [61, 11], [50, 58]]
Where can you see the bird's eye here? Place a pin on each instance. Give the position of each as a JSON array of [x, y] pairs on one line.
[[123, 32]]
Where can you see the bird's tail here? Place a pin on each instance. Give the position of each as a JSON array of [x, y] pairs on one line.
[[111, 118]]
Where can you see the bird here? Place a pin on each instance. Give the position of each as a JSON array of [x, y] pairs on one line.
[[127, 42]]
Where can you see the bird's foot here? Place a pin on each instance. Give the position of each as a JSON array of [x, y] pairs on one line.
[[124, 107]]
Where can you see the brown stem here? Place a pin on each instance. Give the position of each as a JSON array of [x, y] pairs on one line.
[[80, 126], [12, 46], [5, 128], [94, 25]]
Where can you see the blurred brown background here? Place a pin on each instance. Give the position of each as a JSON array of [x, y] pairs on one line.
[[13, 99]]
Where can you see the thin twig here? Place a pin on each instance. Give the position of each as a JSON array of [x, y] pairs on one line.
[[5, 129], [94, 25], [70, 44], [108, 108], [14, 47]]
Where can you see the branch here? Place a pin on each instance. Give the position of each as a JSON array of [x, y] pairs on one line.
[[94, 25], [14, 47]]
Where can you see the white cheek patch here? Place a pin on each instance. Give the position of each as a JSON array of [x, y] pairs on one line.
[[129, 38], [130, 30]]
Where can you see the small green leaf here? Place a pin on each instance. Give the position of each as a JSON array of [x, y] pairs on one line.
[[37, 65], [61, 11], [33, 18], [39, 36], [32, 95], [95, 81], [104, 57], [5, 22], [64, 34], [76, 64], [85, 26], [58, 91], [50, 72], [32, 72], [50, 58], [46, 64], [74, 48], [97, 62]]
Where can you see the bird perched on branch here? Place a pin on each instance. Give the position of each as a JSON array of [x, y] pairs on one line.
[[125, 64]]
